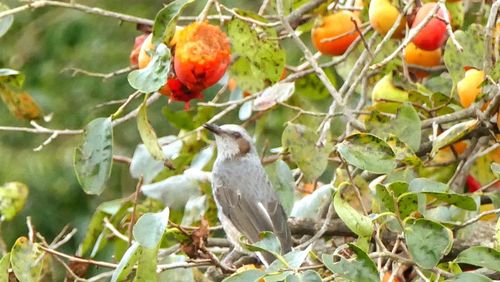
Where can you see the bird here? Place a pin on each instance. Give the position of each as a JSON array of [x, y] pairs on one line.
[[246, 201]]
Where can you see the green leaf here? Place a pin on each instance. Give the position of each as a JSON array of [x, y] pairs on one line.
[[407, 203], [13, 196], [11, 78], [403, 152], [294, 260], [358, 223], [306, 276], [146, 267], [174, 191], [195, 208], [283, 182], [301, 141], [176, 274], [144, 165], [166, 20], [91, 243], [311, 87], [4, 267], [426, 185], [480, 256], [367, 152], [468, 277], [472, 42], [150, 228], [427, 241], [453, 134], [462, 201], [268, 243], [261, 59], [384, 198], [148, 134], [406, 125], [154, 76], [179, 119], [245, 276], [310, 205], [5, 22], [25, 260], [361, 269], [93, 158], [127, 262]]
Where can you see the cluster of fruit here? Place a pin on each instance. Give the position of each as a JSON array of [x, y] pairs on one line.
[[201, 56], [334, 34]]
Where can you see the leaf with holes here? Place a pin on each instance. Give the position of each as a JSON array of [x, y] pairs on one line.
[[93, 158], [480, 256], [368, 152], [261, 59], [25, 260], [154, 76], [166, 20], [427, 241], [361, 269], [358, 223], [148, 134], [301, 141], [453, 134]]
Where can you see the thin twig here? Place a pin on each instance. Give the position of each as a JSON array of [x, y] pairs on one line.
[[134, 208], [79, 7]]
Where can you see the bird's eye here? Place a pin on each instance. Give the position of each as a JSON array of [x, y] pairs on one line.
[[236, 135]]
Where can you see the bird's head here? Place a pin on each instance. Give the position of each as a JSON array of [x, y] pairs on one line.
[[233, 141]]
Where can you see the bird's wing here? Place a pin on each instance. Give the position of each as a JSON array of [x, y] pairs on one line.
[[247, 198]]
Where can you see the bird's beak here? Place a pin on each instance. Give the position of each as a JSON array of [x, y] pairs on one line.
[[215, 129]]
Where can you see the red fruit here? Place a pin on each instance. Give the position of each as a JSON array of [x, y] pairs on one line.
[[433, 35], [134, 55], [177, 91], [472, 184], [202, 56]]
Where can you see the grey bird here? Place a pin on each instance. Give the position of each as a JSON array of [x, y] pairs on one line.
[[246, 201]]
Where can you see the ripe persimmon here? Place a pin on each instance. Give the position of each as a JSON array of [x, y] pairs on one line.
[[433, 34], [420, 57], [146, 47], [469, 87], [202, 55], [333, 34], [134, 55]]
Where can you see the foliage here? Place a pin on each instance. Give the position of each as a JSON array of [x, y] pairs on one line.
[[396, 179]]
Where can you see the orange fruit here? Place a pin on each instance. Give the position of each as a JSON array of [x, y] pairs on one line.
[[340, 28], [146, 47], [420, 57], [434, 34], [202, 55], [382, 15], [469, 87], [387, 276]]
